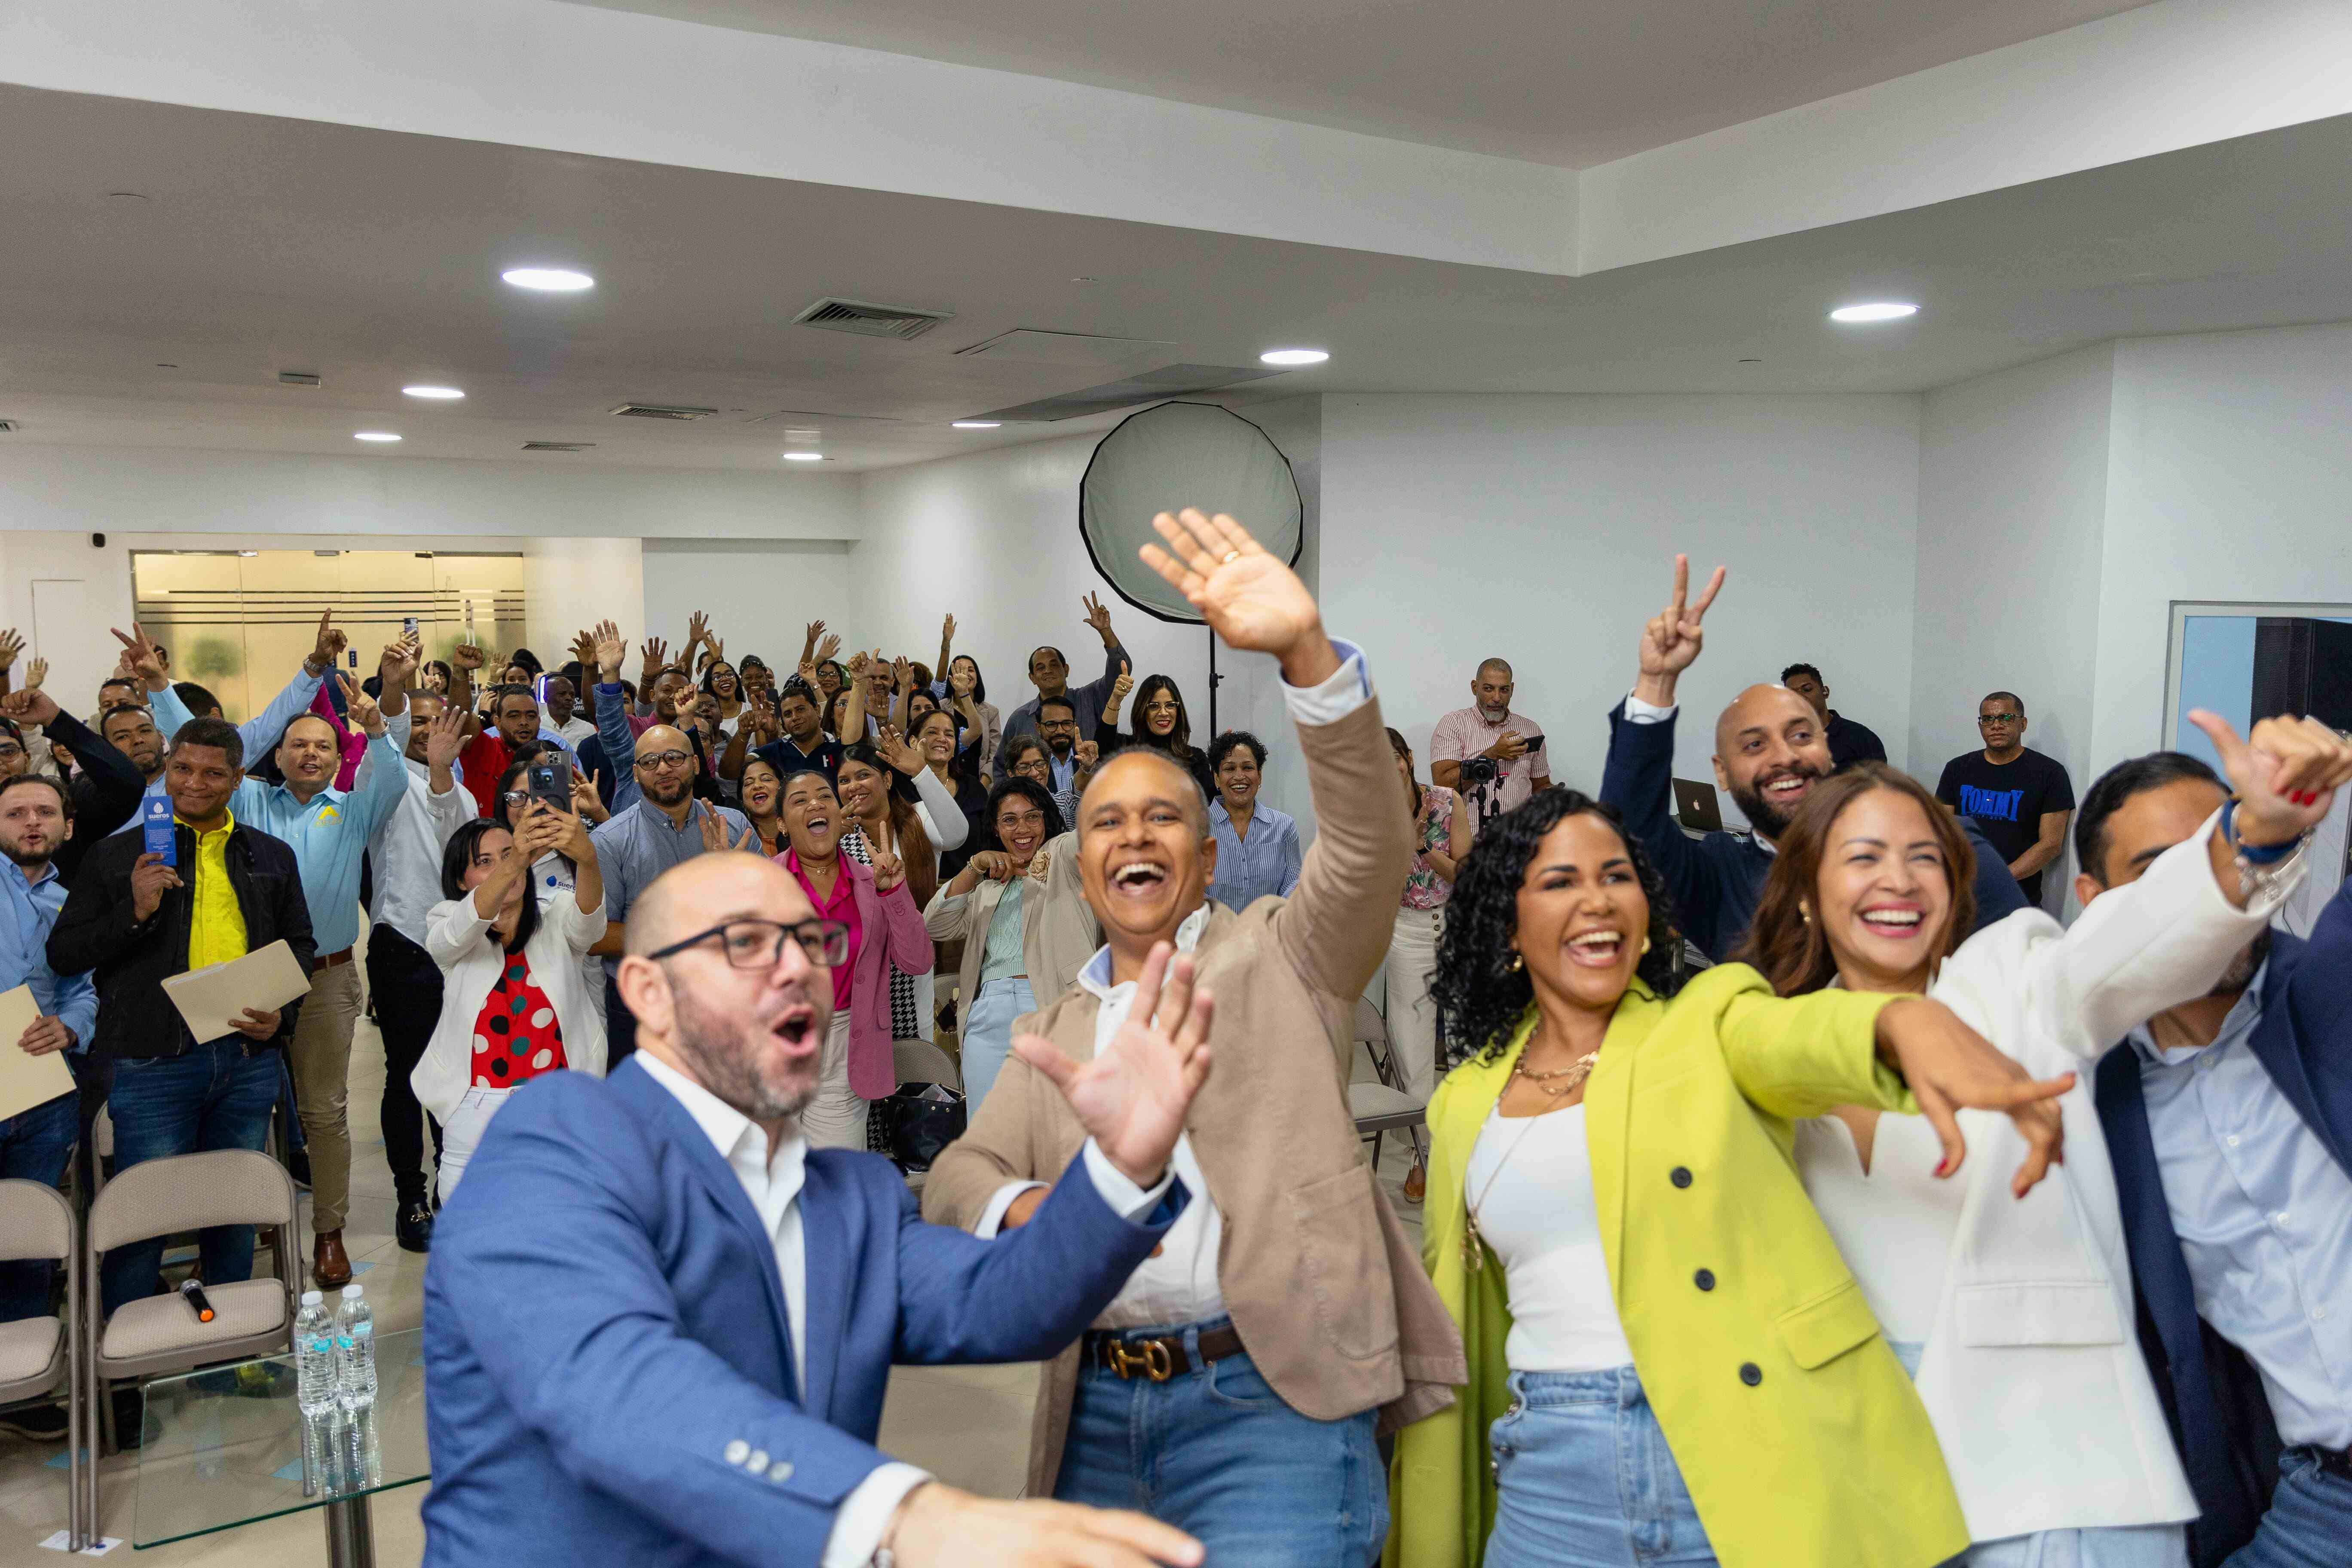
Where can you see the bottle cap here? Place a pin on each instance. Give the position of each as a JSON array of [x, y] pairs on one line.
[[311, 1297], [353, 1292]]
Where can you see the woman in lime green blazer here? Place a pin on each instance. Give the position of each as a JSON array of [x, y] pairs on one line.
[[1791, 1436]]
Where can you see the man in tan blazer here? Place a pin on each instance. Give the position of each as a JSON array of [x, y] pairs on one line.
[[1234, 1387]]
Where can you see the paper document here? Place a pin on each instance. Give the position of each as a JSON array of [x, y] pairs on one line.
[[211, 1000], [26, 1081]]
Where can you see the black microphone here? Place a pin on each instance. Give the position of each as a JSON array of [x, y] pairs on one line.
[[193, 1292]]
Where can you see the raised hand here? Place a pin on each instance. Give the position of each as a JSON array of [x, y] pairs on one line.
[[2285, 776], [697, 626], [815, 630], [150, 880], [397, 664], [1123, 685], [902, 675], [714, 828], [140, 660], [446, 738], [330, 645], [656, 654], [1098, 617], [826, 649], [856, 665], [11, 645], [898, 753], [30, 706], [35, 673], [1248, 598], [1087, 753], [947, 632], [1133, 1097], [1950, 1065], [888, 871], [1673, 638], [467, 656], [583, 649], [585, 802], [361, 709]]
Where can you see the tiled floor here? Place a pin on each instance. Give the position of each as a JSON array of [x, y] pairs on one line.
[[967, 1424]]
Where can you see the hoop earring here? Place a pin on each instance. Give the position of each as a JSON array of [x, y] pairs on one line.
[[1645, 947], [1518, 961]]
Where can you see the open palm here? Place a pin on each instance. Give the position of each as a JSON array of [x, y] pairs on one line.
[[1132, 1098], [1247, 596]]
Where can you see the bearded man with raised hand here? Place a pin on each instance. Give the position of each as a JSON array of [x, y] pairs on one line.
[[1235, 1386]]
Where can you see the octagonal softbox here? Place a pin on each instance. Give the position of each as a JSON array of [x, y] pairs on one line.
[[1168, 457]]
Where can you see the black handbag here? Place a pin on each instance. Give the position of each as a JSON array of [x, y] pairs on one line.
[[922, 1120]]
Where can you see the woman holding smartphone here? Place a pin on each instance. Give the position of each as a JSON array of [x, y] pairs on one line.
[[514, 1003]]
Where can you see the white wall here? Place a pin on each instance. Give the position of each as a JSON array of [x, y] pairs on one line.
[[760, 593], [2012, 523], [2230, 478], [1542, 530]]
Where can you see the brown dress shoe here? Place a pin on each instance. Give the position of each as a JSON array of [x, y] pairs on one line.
[[331, 1267], [1416, 1185]]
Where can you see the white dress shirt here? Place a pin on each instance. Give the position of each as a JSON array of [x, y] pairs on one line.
[[1179, 1284], [773, 1182], [407, 846]]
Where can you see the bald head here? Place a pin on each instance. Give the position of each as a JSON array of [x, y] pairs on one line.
[[710, 890], [668, 784], [1768, 706], [1178, 782]]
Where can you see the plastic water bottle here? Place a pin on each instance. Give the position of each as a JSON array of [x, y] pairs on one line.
[[363, 1461], [317, 1388], [355, 1350]]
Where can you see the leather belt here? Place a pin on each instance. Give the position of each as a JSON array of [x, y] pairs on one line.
[[1162, 1358], [329, 960]]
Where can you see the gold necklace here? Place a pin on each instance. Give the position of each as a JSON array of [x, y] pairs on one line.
[[1473, 1242], [1575, 1072]]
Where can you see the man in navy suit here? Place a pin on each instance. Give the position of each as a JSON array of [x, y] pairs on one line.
[[658, 1326], [2228, 1122]]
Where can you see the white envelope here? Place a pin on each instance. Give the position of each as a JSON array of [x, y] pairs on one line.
[[211, 999], [26, 1081]]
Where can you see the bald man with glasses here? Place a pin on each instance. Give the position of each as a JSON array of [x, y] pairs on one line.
[[660, 826]]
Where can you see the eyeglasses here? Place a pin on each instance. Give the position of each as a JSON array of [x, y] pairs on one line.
[[2000, 719], [1018, 819], [759, 945], [10, 749], [1166, 705], [665, 759], [1035, 769], [1057, 724]]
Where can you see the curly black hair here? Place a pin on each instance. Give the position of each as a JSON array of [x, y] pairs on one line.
[[1480, 997]]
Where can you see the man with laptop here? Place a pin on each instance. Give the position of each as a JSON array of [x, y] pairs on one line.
[[1770, 750]]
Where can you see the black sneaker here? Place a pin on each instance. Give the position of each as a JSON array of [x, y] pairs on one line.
[[415, 1227], [40, 1423]]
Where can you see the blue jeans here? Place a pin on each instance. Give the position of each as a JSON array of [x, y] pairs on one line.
[[34, 1147], [2309, 1521], [213, 1097], [1217, 1454], [2112, 1546], [988, 1035], [1586, 1480]]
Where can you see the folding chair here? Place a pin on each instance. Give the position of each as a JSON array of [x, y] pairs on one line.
[[158, 1334], [1384, 1106], [36, 1354]]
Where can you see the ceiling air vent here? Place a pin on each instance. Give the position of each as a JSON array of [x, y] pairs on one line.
[[901, 322], [557, 446], [298, 378], [662, 411]]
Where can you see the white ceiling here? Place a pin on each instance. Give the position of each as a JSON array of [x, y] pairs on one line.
[[1574, 84], [268, 245]]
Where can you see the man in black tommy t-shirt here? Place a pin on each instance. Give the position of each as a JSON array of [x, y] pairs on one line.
[[2020, 799]]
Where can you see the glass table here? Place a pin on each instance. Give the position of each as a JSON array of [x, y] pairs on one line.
[[224, 1447]]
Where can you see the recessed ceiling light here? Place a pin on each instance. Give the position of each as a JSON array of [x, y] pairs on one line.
[[1878, 311], [556, 279], [803, 457], [373, 435], [248, 554], [976, 423], [1293, 356], [440, 393]]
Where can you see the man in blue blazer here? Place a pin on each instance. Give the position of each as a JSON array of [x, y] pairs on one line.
[[2228, 1122], [658, 1326], [1770, 749]]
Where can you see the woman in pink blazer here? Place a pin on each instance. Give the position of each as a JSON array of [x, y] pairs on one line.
[[886, 926]]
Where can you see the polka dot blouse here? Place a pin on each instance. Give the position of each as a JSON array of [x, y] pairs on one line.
[[516, 1036]]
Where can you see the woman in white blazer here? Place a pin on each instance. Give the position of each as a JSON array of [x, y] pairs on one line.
[[513, 1004], [2014, 1315]]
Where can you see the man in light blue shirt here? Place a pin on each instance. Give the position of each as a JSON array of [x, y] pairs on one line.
[[328, 830], [1258, 851], [2229, 1125], [259, 733], [35, 818]]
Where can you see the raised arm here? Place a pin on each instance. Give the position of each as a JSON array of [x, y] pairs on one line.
[[1335, 926]]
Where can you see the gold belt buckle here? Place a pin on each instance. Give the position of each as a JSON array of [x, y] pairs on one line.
[[1151, 1359]]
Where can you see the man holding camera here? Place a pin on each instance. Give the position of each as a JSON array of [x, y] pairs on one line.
[[1494, 756]]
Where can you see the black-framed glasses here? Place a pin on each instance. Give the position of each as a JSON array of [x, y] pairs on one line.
[[2000, 719], [665, 759], [758, 944]]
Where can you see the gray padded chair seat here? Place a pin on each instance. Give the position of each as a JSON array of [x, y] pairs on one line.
[[32, 1357], [248, 1318]]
